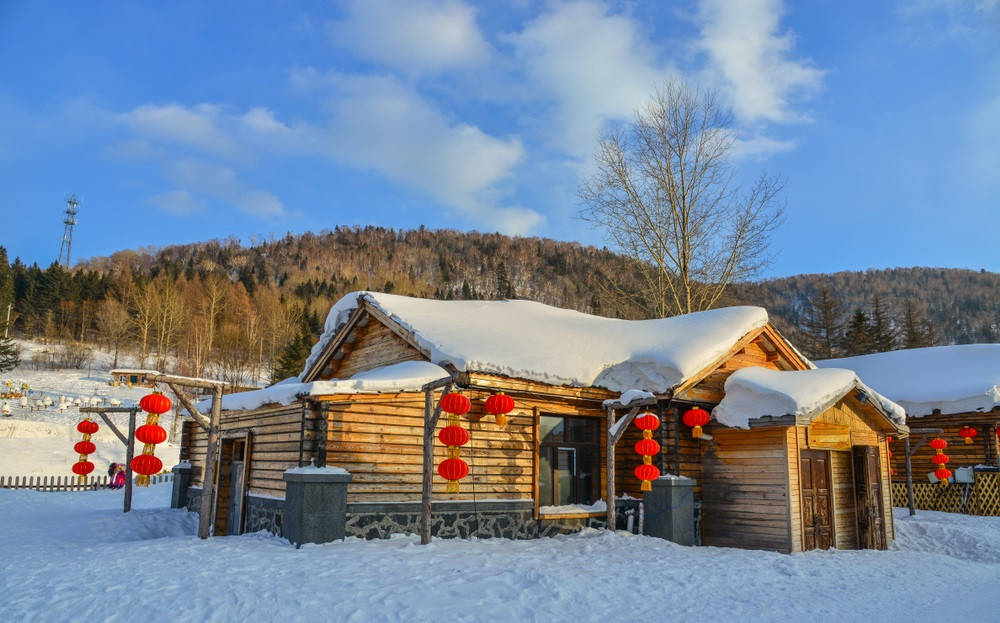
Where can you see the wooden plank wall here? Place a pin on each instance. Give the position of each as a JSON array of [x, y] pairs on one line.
[[379, 439], [710, 389], [983, 449], [373, 345], [745, 497], [276, 430], [684, 461]]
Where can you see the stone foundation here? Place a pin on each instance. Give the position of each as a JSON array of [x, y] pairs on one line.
[[263, 514]]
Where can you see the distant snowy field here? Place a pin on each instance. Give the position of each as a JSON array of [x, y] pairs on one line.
[[76, 557], [37, 440]]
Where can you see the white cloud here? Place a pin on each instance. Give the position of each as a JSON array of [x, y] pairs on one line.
[[177, 202], [380, 124], [751, 58], [223, 184], [196, 126], [415, 36], [597, 67], [759, 146]]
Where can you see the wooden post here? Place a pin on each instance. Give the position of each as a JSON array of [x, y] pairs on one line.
[[211, 456], [129, 453], [909, 477], [610, 467], [432, 413]]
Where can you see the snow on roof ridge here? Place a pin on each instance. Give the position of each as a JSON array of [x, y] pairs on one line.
[[756, 392], [554, 345], [950, 379]]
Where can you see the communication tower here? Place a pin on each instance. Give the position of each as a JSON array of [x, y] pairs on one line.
[[67, 239]]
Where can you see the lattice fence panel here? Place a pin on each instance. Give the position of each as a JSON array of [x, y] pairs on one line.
[[982, 498]]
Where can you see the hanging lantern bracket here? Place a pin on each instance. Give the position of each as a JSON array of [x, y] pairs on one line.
[[128, 441], [909, 451]]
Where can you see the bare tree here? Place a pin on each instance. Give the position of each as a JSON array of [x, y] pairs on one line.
[[665, 193], [143, 303], [113, 323]]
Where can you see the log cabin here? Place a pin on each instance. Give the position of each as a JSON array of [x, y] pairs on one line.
[[943, 387], [801, 466]]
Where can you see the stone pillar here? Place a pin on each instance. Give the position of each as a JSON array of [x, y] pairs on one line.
[[669, 510], [315, 504], [182, 479]]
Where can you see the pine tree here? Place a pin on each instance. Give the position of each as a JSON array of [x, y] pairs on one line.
[[884, 335], [293, 358], [10, 353], [823, 322], [917, 332], [857, 336]]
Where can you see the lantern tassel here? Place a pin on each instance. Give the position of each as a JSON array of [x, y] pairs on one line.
[[142, 480], [968, 440], [501, 420], [452, 487], [647, 485], [696, 432]]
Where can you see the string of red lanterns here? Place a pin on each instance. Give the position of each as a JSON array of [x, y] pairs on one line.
[[968, 433], [453, 468], [84, 447], [150, 434], [647, 447], [696, 417], [942, 473]]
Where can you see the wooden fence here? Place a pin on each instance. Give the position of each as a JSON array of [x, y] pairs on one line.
[[66, 483], [980, 498]]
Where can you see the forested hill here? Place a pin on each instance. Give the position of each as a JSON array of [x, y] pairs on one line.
[[254, 294]]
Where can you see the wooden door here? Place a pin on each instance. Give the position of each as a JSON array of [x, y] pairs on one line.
[[868, 496], [817, 499], [231, 485]]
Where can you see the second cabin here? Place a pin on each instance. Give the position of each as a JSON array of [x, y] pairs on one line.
[[793, 458]]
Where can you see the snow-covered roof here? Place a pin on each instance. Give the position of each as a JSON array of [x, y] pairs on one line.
[[397, 377], [952, 379], [529, 340], [756, 392]]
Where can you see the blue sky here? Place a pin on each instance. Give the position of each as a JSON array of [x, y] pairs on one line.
[[205, 120]]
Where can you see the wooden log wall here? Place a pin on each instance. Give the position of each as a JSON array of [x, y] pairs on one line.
[[982, 450], [378, 438], [276, 443], [369, 346], [682, 458], [745, 495]]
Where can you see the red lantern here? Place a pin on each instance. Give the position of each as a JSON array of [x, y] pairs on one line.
[[84, 447], [940, 459], [82, 468], [155, 403], [87, 427], [147, 465], [151, 433], [647, 421], [647, 447], [500, 405], [647, 473], [968, 433], [454, 436], [696, 417], [453, 470], [455, 403]]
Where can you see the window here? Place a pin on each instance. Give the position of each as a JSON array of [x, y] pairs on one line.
[[569, 460]]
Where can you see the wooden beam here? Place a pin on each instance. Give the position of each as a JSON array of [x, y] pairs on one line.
[[103, 412], [432, 413], [613, 436], [700, 376], [205, 518], [202, 421], [128, 441]]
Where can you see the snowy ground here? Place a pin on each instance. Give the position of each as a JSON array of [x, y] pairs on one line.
[[37, 440], [75, 556]]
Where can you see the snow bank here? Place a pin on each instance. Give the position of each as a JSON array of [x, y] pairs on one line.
[[600, 506], [529, 340], [312, 469], [755, 392], [953, 379], [77, 557], [403, 376]]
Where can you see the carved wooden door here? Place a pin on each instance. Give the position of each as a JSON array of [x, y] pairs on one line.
[[817, 503], [868, 497]]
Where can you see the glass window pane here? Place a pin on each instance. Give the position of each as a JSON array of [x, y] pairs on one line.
[[564, 476], [545, 489], [581, 430], [589, 475], [551, 428]]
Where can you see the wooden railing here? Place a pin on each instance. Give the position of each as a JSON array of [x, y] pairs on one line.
[[980, 498], [66, 483]]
